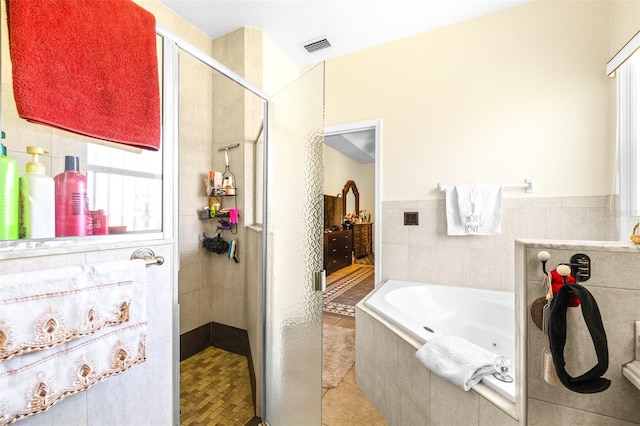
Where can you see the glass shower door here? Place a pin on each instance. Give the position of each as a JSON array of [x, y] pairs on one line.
[[293, 246]]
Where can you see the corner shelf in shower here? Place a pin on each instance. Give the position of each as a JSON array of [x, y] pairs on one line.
[[204, 214]]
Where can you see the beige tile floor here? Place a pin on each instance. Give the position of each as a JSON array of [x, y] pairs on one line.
[[215, 388], [346, 404]]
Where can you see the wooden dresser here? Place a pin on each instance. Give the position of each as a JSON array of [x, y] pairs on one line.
[[338, 246], [362, 239]]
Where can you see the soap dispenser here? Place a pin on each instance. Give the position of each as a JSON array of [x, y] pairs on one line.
[[37, 199], [9, 196]]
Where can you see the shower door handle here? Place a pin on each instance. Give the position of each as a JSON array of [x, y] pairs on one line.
[[319, 281]]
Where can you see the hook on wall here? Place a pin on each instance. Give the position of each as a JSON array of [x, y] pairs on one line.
[[578, 267], [543, 256]]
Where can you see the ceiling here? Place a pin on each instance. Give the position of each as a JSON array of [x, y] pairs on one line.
[[348, 25], [360, 145]]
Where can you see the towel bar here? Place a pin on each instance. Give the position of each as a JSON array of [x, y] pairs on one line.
[[527, 186], [148, 256]]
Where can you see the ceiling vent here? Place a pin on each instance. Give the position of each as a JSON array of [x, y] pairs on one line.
[[316, 44]]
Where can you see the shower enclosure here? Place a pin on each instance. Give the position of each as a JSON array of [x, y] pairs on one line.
[[271, 292]]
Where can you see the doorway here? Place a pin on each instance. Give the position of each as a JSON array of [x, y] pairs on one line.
[[361, 140], [351, 188]]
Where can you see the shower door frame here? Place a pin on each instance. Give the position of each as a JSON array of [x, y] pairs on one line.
[[172, 44]]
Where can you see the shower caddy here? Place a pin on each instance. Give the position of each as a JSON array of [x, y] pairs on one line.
[[226, 192]]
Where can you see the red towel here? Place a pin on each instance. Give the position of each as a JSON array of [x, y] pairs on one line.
[[89, 67]]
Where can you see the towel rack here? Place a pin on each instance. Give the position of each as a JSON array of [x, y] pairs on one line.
[[228, 147], [527, 186], [148, 256]]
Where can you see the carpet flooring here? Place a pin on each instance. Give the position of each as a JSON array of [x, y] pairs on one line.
[[338, 354], [341, 297]]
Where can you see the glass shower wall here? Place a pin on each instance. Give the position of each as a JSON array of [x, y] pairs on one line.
[[294, 223]]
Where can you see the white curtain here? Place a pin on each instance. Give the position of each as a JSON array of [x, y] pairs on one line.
[[627, 139]]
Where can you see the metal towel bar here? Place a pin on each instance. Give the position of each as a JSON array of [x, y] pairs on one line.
[[148, 256], [527, 186]]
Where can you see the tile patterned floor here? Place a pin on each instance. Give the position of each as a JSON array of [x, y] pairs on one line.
[[215, 388]]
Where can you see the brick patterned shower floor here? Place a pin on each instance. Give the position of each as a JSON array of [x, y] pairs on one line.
[[215, 389]]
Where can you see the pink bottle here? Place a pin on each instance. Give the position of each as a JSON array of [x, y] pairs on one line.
[[72, 209]]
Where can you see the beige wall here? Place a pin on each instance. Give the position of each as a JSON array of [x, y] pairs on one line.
[[625, 23], [278, 70], [513, 95], [338, 169]]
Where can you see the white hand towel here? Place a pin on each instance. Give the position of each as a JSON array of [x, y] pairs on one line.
[[64, 330], [455, 226], [43, 309], [474, 209], [457, 360]]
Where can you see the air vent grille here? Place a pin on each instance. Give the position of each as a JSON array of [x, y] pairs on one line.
[[315, 45]]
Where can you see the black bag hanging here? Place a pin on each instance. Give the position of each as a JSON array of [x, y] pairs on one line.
[[591, 381], [215, 244]]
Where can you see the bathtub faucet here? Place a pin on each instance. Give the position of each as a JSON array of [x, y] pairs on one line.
[[503, 366]]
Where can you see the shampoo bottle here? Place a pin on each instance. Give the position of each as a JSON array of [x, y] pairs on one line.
[[72, 208], [9, 196], [37, 206]]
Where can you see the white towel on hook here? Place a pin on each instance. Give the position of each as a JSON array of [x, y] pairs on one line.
[[457, 360], [474, 209]]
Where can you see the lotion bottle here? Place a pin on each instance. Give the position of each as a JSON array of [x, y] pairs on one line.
[[9, 196], [37, 202], [72, 208]]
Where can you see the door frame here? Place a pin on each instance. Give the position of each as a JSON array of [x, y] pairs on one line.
[[358, 126]]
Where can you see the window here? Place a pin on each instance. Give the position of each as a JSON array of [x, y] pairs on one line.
[[127, 186], [628, 158]]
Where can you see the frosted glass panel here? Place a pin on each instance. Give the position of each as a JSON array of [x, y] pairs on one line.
[[294, 252]]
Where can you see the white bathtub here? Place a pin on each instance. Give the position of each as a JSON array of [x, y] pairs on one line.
[[485, 318]]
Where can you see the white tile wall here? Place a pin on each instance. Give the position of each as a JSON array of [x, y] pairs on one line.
[[425, 253]]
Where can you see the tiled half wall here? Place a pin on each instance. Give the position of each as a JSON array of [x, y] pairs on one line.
[[425, 253]]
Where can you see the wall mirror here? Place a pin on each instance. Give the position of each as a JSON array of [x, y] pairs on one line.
[[124, 183], [350, 198]]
